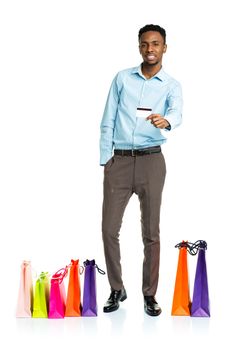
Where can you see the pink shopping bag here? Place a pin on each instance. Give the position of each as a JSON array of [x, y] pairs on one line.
[[57, 301], [25, 294]]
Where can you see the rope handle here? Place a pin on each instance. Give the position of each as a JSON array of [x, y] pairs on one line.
[[76, 263], [60, 274], [27, 264], [44, 275], [92, 263], [192, 248], [102, 272]]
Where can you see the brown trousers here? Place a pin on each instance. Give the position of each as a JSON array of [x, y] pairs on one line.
[[124, 175]]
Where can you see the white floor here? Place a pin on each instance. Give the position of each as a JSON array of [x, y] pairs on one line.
[[126, 326]]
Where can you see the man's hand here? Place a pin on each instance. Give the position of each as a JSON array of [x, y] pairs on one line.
[[158, 121]]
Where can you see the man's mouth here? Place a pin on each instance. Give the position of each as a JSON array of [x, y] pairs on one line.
[[150, 57]]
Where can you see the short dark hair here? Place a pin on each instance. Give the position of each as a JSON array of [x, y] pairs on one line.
[[153, 28]]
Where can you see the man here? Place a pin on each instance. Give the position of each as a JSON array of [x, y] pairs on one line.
[[141, 102]]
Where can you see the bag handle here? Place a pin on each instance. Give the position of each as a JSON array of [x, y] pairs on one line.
[[192, 248], [100, 270], [61, 274], [92, 263], [76, 263], [44, 275]]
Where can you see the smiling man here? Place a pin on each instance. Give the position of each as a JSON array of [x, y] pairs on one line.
[[142, 102]]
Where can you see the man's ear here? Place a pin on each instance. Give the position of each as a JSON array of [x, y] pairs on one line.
[[165, 48]]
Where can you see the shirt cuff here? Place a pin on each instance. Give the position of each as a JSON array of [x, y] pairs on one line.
[[104, 157], [168, 128]]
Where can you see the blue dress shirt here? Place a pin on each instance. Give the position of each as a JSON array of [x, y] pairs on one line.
[[121, 128]]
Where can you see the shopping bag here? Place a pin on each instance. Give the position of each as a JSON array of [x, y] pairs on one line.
[[25, 294], [200, 302], [57, 300], [41, 296], [89, 291], [73, 304], [181, 298]]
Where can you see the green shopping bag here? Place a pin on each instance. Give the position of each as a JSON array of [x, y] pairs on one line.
[[41, 296]]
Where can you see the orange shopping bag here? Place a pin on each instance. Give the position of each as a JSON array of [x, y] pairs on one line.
[[73, 303], [181, 299]]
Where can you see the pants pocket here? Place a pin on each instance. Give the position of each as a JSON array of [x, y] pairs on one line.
[[109, 164]]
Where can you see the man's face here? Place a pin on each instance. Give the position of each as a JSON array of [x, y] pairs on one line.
[[152, 47]]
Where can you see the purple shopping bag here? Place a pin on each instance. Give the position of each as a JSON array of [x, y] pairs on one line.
[[200, 303], [89, 291]]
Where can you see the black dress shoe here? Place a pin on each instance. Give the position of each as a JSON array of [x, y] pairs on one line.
[[151, 306], [112, 304]]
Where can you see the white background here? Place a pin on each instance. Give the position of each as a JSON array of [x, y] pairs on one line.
[[57, 61]]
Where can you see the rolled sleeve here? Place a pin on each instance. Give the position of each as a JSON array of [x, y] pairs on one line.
[[175, 104], [108, 122]]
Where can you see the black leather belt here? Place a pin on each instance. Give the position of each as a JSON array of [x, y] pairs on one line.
[[137, 152]]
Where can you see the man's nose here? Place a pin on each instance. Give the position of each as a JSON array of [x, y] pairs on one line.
[[150, 48]]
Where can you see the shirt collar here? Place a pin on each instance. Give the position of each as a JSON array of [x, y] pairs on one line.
[[161, 75]]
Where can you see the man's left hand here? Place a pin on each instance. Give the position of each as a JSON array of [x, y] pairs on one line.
[[158, 121]]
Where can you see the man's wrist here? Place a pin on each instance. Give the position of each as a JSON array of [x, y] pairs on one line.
[[168, 125]]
